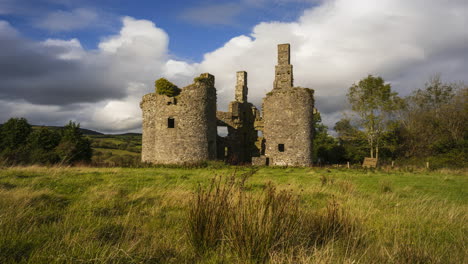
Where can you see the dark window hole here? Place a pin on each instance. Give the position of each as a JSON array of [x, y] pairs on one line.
[[170, 122], [281, 147]]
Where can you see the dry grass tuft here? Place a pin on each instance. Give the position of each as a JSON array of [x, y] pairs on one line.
[[256, 226], [385, 186], [208, 214], [326, 180]]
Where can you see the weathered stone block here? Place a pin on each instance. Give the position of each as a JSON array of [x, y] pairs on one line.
[[241, 87], [260, 161], [369, 163], [284, 54]]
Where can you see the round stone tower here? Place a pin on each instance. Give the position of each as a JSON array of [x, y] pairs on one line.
[[181, 129], [288, 117]]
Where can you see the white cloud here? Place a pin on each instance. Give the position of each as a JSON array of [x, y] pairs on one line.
[[72, 49], [105, 84], [333, 45], [339, 42], [119, 115], [78, 18]]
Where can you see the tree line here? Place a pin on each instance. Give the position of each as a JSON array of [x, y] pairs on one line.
[[21, 144], [430, 124]]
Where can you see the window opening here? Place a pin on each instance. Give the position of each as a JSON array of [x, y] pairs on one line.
[[281, 147], [170, 122]]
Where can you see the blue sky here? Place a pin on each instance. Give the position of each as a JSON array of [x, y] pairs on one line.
[[195, 27], [92, 61]]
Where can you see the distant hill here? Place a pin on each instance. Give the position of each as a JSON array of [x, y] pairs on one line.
[[83, 130], [90, 132]]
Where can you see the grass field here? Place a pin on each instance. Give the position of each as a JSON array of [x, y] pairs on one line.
[[116, 150], [151, 215]]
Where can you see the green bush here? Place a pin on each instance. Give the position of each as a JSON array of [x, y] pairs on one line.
[[73, 146], [14, 133], [165, 87], [13, 137], [41, 144]]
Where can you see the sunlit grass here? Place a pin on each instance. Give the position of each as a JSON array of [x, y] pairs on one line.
[[122, 215]]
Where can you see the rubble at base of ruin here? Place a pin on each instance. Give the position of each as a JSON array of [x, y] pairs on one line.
[[183, 129]]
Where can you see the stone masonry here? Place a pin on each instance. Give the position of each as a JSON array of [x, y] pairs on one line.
[[183, 129], [284, 69], [288, 117], [239, 145]]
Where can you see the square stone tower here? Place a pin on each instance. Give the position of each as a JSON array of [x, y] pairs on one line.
[[287, 117], [241, 87], [284, 70]]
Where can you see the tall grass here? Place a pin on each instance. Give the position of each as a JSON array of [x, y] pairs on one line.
[[261, 224], [208, 214], [273, 215], [256, 226]]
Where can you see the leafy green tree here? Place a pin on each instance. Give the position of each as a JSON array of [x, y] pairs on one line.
[[435, 95], [352, 140], [374, 102], [326, 148], [14, 133], [42, 143], [434, 122], [13, 136], [165, 87], [73, 146]]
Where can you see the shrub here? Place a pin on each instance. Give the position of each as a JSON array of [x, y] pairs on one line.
[[74, 147], [14, 132], [42, 143], [165, 87], [13, 136]]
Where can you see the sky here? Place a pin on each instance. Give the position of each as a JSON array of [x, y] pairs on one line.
[[92, 61]]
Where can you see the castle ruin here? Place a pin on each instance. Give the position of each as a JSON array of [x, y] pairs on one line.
[[183, 129]]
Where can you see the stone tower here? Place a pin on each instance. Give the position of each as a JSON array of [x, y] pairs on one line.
[[288, 117], [239, 145], [241, 87], [180, 129], [284, 70]]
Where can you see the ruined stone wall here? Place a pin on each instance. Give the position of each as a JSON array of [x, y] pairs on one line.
[[243, 136], [148, 108], [288, 120], [193, 137], [287, 123], [284, 70], [240, 121], [241, 86]]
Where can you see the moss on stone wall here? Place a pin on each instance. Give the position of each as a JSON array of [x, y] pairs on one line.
[[167, 88], [203, 79]]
